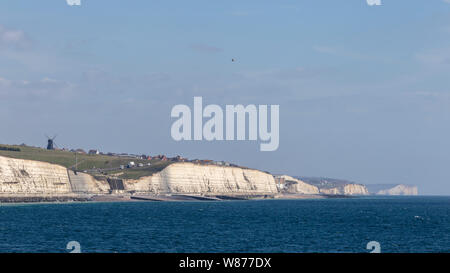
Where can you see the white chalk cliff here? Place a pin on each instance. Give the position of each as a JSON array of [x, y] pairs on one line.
[[20, 177], [400, 190], [36, 178], [294, 185], [204, 179], [28, 177], [348, 189]]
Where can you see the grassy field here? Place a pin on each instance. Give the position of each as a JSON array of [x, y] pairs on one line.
[[136, 173], [85, 161]]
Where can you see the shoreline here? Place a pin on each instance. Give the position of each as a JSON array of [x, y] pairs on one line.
[[179, 197]]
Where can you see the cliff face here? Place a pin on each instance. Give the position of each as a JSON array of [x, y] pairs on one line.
[[334, 186], [400, 190], [331, 191], [355, 189], [84, 183], [25, 177], [348, 189], [34, 178], [206, 179], [294, 185]]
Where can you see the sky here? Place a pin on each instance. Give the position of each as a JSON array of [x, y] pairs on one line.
[[364, 90]]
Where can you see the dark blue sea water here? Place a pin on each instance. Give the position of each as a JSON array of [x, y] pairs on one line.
[[399, 224]]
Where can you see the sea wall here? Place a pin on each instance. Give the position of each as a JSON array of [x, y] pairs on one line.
[[205, 179]]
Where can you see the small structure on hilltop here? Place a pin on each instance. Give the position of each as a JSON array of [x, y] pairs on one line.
[[161, 157], [94, 152], [80, 151], [51, 142], [178, 158]]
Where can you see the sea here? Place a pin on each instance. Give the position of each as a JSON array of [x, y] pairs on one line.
[[395, 224]]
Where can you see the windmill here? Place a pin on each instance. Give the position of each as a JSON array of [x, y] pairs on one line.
[[51, 142]]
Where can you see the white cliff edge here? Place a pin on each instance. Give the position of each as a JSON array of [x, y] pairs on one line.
[[204, 179], [347, 189], [19, 177], [400, 190], [290, 184]]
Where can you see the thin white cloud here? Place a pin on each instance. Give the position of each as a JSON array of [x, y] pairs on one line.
[[434, 57], [432, 94], [46, 88], [206, 48], [48, 80], [13, 38], [325, 49], [343, 52], [239, 13], [4, 82]]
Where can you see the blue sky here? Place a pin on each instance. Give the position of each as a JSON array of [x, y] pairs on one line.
[[363, 90]]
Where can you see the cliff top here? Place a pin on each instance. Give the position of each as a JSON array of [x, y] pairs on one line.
[[91, 163], [375, 188], [325, 182], [98, 165]]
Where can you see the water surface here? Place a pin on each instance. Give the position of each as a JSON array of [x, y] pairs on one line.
[[399, 224]]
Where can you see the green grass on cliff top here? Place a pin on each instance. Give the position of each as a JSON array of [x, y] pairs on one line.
[[85, 161]]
